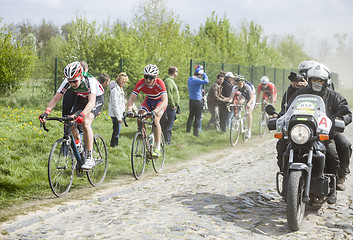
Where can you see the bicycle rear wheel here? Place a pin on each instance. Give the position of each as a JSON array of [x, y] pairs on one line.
[[234, 131], [138, 155], [263, 124], [60, 167], [99, 153], [158, 163]]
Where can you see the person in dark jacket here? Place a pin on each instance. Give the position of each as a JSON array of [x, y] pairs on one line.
[[224, 111], [298, 81], [319, 78]]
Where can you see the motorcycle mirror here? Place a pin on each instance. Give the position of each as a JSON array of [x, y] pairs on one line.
[[270, 110]]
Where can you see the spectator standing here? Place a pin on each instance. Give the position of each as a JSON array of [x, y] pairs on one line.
[[117, 106], [224, 111], [214, 97], [169, 115], [195, 83]]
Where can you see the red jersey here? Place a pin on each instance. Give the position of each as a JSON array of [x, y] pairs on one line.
[[154, 93], [268, 91]]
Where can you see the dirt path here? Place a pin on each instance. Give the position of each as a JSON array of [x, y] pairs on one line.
[[228, 194]]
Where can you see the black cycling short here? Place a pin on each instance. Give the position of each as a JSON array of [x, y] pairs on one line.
[[81, 103]]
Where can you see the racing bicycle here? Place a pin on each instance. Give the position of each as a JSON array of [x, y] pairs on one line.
[[65, 159], [143, 145], [238, 124]]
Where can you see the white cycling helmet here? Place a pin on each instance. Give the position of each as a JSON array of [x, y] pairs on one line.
[[264, 80], [73, 70], [151, 70], [306, 65]]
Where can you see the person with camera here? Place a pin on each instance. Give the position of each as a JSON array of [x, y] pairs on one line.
[[195, 83], [339, 149]]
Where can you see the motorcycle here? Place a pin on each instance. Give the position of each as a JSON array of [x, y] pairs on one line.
[[303, 178]]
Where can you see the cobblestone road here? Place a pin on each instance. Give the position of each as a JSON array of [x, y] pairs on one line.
[[224, 195]]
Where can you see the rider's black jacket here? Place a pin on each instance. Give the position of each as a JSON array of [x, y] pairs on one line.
[[333, 100], [287, 95]]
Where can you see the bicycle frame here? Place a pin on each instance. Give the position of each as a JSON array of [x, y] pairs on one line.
[[141, 119], [69, 136]]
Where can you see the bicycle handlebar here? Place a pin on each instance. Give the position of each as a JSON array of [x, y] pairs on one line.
[[60, 119], [139, 116]]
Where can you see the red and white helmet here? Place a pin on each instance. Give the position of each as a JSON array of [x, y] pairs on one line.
[[73, 70]]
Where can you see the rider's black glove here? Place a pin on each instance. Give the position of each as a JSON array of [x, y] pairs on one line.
[[44, 116]]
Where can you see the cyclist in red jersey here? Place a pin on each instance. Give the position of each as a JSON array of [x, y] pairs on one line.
[[155, 102], [269, 91]]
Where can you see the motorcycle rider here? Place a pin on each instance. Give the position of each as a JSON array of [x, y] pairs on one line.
[[298, 81], [319, 78]]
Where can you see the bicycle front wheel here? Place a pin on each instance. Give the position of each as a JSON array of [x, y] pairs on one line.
[[99, 153], [263, 124], [234, 132], [158, 162], [61, 167], [244, 131], [138, 155]]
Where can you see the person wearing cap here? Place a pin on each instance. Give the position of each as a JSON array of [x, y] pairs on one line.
[[195, 83], [224, 111]]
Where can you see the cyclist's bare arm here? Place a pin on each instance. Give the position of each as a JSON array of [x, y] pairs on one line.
[[252, 99], [91, 103], [230, 98], [130, 102], [54, 100]]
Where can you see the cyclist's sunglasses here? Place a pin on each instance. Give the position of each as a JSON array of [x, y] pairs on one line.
[[149, 77], [319, 80], [73, 80]]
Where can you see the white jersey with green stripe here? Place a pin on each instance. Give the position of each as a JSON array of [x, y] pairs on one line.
[[88, 85]]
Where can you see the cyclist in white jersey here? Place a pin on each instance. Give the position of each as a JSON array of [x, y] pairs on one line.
[[246, 91], [87, 105]]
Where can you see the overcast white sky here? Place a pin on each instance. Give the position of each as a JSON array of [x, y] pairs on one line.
[[321, 18]]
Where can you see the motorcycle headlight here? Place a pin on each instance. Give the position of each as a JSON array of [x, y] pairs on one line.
[[300, 134]]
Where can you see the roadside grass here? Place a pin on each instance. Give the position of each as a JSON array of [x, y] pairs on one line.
[[25, 149]]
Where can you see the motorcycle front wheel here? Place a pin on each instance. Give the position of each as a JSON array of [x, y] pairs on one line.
[[294, 200]]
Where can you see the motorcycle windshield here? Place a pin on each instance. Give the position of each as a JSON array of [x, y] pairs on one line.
[[306, 105]]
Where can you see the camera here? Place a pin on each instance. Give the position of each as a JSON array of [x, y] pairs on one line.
[[294, 77]]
